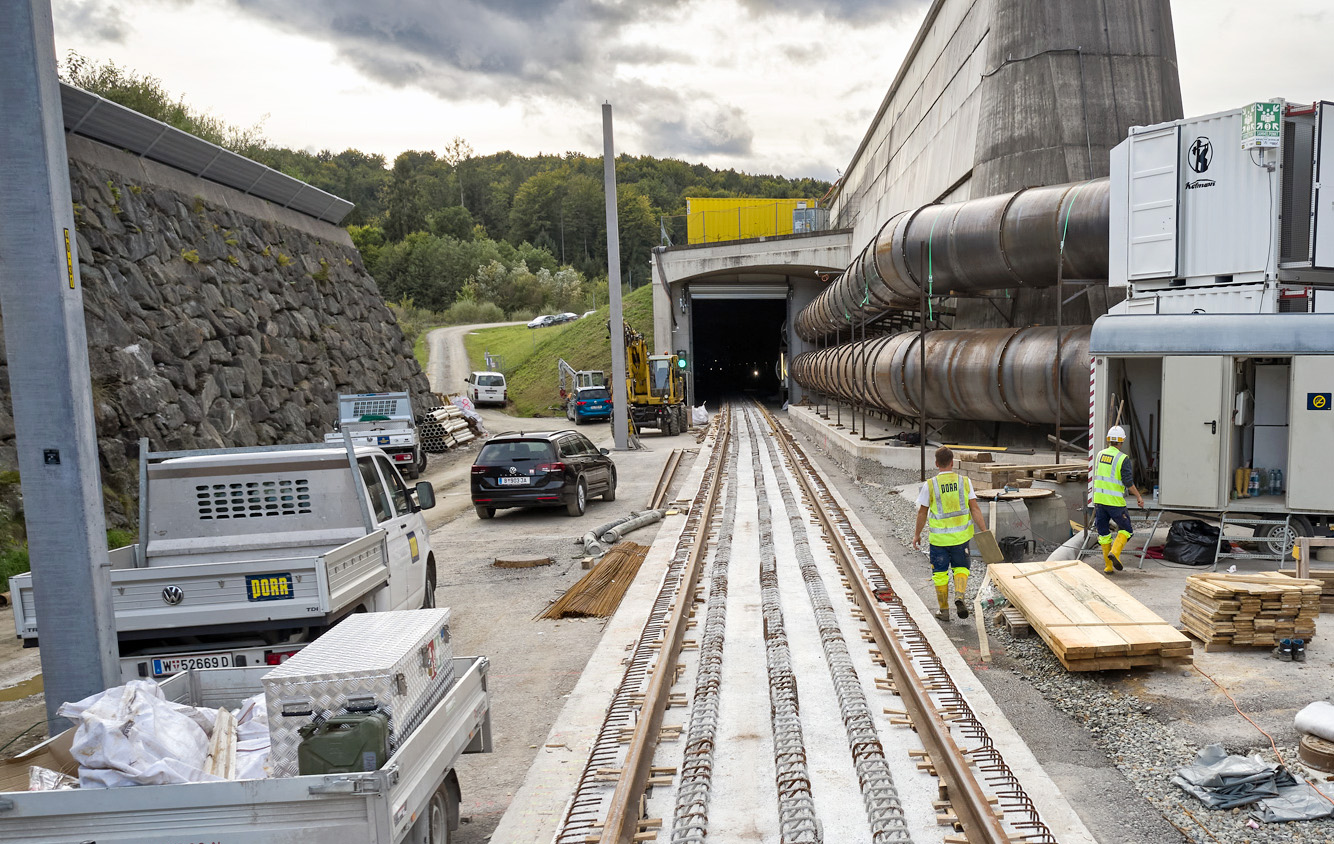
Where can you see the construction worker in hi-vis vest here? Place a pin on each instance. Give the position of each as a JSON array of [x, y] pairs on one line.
[[1112, 476], [948, 504]]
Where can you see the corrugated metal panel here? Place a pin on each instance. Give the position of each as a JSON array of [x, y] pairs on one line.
[[1227, 221], [714, 219], [115, 125], [1213, 334]]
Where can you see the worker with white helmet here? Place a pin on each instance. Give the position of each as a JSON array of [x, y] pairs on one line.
[[1112, 476]]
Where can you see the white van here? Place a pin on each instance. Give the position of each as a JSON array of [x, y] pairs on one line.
[[487, 387]]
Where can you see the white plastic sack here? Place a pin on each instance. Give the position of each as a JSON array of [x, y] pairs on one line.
[[1317, 719], [45, 779], [132, 735], [699, 415], [464, 404], [252, 739]]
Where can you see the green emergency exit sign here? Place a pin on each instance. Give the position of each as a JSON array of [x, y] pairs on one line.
[[1260, 125]]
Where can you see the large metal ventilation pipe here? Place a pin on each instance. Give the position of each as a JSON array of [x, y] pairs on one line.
[[1005, 241], [982, 375]]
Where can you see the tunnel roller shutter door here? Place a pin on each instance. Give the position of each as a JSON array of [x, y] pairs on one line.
[[739, 291]]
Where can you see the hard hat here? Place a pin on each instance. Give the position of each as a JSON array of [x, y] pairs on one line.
[[1116, 434]]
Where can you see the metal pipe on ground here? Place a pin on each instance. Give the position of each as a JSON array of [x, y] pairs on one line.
[[599, 539], [1006, 241], [977, 375]]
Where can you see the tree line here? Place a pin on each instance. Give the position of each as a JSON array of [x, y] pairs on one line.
[[527, 233]]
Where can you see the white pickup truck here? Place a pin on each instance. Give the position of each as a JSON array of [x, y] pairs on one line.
[[413, 799], [386, 421], [246, 555]]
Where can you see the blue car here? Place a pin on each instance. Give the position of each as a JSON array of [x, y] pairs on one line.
[[590, 403]]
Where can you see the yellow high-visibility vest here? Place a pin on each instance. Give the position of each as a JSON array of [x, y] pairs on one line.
[[1107, 487], [948, 513]]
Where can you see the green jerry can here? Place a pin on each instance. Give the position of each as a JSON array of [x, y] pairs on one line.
[[344, 744]]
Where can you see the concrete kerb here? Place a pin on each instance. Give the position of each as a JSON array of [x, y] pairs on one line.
[[1056, 812], [539, 806]]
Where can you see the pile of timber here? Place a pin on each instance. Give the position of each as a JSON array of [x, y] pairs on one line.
[[1326, 579], [1249, 609], [987, 475], [446, 427], [1089, 622]]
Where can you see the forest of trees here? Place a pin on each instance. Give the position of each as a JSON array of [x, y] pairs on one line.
[[527, 233]]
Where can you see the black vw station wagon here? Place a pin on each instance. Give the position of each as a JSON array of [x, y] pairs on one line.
[[541, 469]]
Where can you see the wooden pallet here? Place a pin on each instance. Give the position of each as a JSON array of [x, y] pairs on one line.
[[1089, 622], [994, 475], [1013, 620]]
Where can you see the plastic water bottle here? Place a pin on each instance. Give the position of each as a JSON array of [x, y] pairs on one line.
[[1276, 481], [1264, 481], [1253, 488]]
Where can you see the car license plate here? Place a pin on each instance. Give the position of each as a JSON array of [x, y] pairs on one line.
[[185, 662], [520, 481]]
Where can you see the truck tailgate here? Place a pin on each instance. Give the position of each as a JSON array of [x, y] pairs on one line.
[[192, 595], [376, 807]]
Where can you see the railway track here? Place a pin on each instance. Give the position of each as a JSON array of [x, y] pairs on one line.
[[780, 691]]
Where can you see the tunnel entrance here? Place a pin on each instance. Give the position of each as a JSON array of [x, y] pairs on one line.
[[736, 343]]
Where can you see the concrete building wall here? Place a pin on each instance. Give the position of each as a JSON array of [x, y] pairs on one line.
[[996, 95]]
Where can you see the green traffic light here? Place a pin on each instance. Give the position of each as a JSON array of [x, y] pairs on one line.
[[681, 363]]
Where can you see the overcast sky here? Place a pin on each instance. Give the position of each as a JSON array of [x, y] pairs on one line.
[[770, 86]]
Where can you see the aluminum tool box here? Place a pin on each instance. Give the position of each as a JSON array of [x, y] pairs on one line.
[[402, 661]]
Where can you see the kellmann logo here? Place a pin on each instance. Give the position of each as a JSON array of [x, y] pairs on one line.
[[1201, 154]]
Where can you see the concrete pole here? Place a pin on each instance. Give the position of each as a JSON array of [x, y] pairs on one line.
[[620, 395], [47, 353]]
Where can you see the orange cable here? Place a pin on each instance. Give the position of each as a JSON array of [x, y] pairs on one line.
[[1237, 707]]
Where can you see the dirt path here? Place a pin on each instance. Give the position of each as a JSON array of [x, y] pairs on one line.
[[448, 364]]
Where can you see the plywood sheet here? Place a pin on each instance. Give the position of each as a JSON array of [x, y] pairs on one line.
[[1088, 621]]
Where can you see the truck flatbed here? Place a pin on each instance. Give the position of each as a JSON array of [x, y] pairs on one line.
[[385, 807]]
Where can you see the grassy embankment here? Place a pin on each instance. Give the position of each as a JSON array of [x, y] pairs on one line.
[[529, 355]]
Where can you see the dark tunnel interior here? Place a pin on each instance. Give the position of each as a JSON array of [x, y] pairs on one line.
[[736, 347]]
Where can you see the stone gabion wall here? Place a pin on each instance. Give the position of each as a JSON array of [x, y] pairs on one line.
[[209, 327]]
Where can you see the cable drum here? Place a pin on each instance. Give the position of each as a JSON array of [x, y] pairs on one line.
[[975, 375]]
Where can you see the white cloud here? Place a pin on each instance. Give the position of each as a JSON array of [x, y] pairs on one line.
[[762, 85]]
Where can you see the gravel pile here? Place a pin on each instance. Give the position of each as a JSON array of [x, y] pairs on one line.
[[1138, 740]]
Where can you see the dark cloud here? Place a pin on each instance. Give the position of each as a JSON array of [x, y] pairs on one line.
[[848, 10], [538, 53], [720, 130], [90, 19], [647, 54]]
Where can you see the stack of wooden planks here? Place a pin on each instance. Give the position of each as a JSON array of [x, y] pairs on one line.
[[997, 475], [1326, 579], [1249, 609], [1089, 622]]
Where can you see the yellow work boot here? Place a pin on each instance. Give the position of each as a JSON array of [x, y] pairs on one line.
[[1106, 558], [942, 598], [1118, 545], [961, 592]]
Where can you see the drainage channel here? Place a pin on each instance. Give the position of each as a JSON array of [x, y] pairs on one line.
[[808, 692]]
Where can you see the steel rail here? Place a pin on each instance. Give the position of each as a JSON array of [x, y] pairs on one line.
[[970, 802], [622, 821], [664, 482]]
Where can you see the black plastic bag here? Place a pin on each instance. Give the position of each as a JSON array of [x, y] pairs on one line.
[[1191, 542]]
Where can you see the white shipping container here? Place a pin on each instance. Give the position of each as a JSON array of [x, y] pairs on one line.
[[402, 660]]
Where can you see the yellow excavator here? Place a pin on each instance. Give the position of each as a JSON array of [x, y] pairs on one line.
[[655, 386]]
